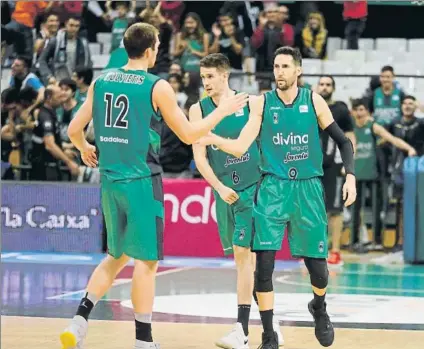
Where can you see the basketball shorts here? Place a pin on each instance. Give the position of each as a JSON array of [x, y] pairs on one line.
[[235, 221], [134, 214], [297, 205], [333, 188]]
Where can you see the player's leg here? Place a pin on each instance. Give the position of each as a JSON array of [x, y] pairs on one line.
[[105, 273], [270, 215], [144, 243], [225, 215], [308, 239]]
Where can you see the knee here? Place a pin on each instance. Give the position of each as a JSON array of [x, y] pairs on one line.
[[242, 256], [265, 261], [146, 267], [318, 272]]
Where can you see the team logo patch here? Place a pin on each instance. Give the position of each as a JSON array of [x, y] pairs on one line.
[[293, 173], [303, 109], [239, 112], [321, 247], [275, 118], [242, 234]]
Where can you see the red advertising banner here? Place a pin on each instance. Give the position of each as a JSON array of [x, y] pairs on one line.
[[190, 221]]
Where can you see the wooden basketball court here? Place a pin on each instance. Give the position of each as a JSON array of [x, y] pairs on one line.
[[42, 333], [372, 306]]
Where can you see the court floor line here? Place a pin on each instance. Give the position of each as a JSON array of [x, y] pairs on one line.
[[284, 280], [119, 282]]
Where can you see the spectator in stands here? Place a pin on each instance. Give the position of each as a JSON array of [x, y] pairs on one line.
[[48, 30], [120, 23], [230, 41], [22, 23], [355, 14], [163, 58], [64, 53], [176, 83], [411, 129], [175, 68], [176, 156], [312, 41], [191, 43], [267, 37], [47, 143], [22, 78], [82, 77], [9, 99], [172, 11]]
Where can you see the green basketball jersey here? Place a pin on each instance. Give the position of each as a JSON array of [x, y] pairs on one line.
[[118, 30], [237, 173], [80, 97], [289, 137], [365, 155], [386, 108], [126, 126]]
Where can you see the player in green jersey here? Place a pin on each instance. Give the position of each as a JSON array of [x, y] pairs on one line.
[[234, 182], [366, 132], [290, 194], [127, 106]]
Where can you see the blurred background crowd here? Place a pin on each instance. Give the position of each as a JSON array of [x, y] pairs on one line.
[[363, 64]]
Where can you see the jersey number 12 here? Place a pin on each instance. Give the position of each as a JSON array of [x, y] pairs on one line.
[[122, 103]]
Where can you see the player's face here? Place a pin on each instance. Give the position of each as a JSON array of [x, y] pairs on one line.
[[286, 72], [408, 107], [360, 114], [72, 28], [386, 79], [52, 23], [122, 10], [213, 80], [325, 88], [153, 53], [190, 24]]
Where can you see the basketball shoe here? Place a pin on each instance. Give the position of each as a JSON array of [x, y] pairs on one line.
[[269, 341], [277, 329], [236, 339], [324, 330], [146, 345], [73, 336]]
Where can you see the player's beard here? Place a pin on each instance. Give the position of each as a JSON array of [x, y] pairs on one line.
[[326, 95], [286, 86]]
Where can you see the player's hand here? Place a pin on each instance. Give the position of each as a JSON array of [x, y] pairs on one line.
[[349, 190], [228, 195], [216, 30], [412, 152], [207, 140], [88, 155], [230, 105]]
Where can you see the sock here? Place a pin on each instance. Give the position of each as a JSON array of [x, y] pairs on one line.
[[86, 305], [266, 317], [243, 317], [143, 327], [318, 301]]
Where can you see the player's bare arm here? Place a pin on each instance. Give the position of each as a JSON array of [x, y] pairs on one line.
[[327, 123], [164, 98], [76, 130], [249, 133], [397, 142], [199, 152]]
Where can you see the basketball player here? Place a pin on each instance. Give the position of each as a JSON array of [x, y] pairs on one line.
[[366, 132], [127, 106], [234, 182], [290, 192], [332, 166]]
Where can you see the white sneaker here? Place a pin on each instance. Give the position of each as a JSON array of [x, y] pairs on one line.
[[277, 329], [236, 339], [146, 345], [73, 336]]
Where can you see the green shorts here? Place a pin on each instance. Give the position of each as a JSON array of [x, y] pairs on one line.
[[296, 204], [133, 211], [235, 221]]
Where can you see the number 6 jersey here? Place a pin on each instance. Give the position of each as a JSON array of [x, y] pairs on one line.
[[237, 173], [126, 126]]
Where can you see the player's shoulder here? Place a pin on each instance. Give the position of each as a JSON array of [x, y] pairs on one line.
[[256, 99]]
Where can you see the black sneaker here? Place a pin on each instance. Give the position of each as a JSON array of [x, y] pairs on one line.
[[269, 341], [324, 330]]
